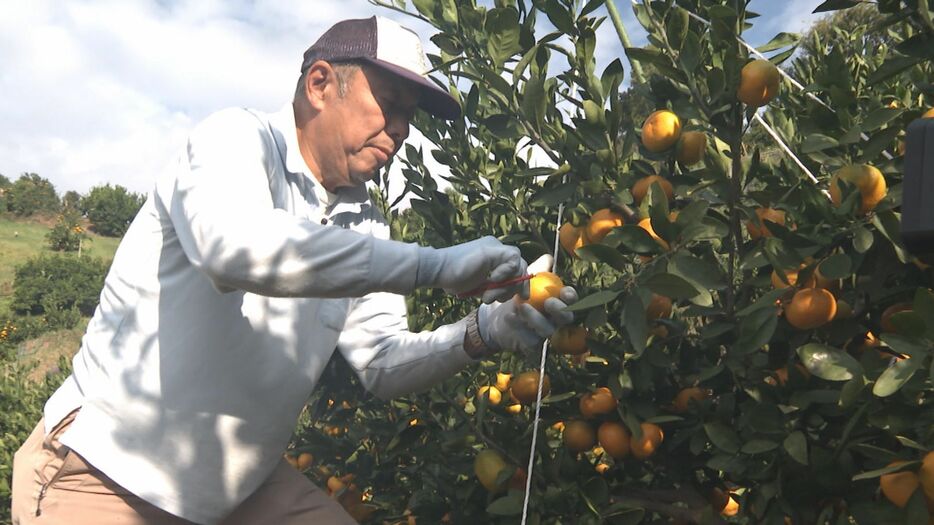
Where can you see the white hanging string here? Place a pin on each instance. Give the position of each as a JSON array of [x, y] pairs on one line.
[[788, 77], [541, 376], [787, 150]]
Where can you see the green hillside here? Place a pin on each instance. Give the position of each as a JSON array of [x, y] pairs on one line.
[[23, 239]]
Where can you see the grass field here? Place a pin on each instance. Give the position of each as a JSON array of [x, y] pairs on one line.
[[23, 239]]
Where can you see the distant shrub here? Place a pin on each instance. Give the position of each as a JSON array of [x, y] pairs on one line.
[[71, 200], [30, 195], [111, 209], [59, 288], [67, 234]]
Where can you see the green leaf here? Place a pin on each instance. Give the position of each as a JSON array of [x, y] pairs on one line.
[[872, 474], [449, 11], [701, 271], [593, 300], [633, 238], [723, 437], [905, 345], [510, 505], [837, 266], [603, 253], [834, 5], [426, 7], [534, 100], [817, 142], [635, 322], [558, 15], [549, 197], [677, 27], [888, 224], [878, 118], [878, 142], [829, 363], [891, 67], [502, 28], [779, 41], [756, 330], [797, 447], [502, 126], [862, 240], [671, 285], [758, 446], [895, 377], [767, 300]]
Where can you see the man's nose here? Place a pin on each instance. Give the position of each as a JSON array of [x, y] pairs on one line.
[[398, 129]]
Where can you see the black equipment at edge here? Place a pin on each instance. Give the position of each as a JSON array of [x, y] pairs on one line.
[[918, 190]]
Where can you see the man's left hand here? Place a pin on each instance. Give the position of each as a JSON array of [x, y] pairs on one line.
[[518, 326]]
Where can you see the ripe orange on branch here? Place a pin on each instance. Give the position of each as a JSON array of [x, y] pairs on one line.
[[487, 466], [571, 238], [641, 188], [759, 83], [926, 476], [898, 487], [600, 401], [659, 307], [525, 387], [661, 130], [867, 179], [491, 393], [542, 286], [579, 436], [811, 308], [691, 147], [502, 381], [570, 340], [652, 437], [683, 400], [886, 320], [764, 214], [646, 224], [615, 439], [601, 223]]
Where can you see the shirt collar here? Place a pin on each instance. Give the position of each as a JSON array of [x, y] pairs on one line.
[[344, 200]]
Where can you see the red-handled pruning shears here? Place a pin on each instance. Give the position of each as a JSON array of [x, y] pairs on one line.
[[489, 286]]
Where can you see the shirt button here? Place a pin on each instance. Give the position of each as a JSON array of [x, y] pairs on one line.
[[324, 221]]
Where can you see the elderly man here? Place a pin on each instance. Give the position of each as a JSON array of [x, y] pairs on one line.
[[255, 257]]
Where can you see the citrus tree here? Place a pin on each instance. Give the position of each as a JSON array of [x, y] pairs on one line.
[[753, 343]]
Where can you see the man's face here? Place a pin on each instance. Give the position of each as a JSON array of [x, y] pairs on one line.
[[369, 124]]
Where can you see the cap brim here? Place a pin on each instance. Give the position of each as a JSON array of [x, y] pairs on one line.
[[431, 98]]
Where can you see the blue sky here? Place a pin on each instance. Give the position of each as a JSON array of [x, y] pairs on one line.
[[98, 91]]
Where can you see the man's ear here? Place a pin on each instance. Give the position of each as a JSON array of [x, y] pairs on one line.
[[320, 84]]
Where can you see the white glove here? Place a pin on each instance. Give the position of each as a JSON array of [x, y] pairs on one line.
[[517, 326], [463, 267]]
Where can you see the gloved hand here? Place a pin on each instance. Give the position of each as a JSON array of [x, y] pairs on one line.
[[463, 267], [518, 326]]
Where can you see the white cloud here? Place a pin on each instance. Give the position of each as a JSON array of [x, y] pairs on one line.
[[106, 91]]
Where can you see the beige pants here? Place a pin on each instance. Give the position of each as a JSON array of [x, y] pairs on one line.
[[52, 484]]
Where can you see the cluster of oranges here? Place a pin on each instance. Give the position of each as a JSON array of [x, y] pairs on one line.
[[522, 390], [7, 330]]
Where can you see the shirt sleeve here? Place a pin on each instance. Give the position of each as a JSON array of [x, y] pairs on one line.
[[221, 209], [389, 359]]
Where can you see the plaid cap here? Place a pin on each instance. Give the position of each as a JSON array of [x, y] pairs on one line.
[[387, 45]]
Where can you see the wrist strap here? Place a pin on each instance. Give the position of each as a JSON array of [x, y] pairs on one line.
[[473, 342]]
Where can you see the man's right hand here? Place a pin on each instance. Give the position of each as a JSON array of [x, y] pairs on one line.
[[463, 267]]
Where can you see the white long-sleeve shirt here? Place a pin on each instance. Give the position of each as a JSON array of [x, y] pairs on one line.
[[226, 298]]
